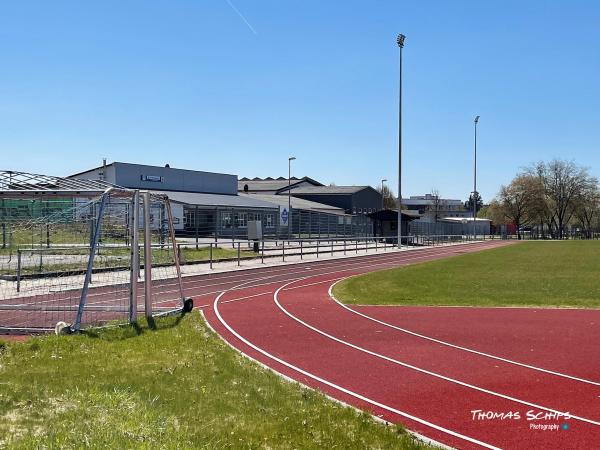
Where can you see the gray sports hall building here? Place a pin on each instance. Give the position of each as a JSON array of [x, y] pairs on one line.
[[207, 204]]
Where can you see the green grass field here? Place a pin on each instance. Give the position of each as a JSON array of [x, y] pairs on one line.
[[177, 387], [558, 274]]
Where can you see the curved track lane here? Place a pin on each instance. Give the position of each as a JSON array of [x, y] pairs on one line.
[[285, 318]]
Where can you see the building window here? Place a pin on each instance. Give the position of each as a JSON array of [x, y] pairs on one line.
[[354, 210], [226, 220], [269, 222], [241, 220], [257, 217]]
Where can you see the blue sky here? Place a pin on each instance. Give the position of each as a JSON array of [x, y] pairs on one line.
[[191, 84]]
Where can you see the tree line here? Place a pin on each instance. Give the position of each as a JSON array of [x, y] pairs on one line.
[[550, 198]]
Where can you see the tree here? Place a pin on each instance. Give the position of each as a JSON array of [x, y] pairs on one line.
[[436, 206], [469, 203], [587, 209], [516, 202], [563, 183], [389, 200]]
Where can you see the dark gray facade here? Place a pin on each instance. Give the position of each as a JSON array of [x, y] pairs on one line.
[[139, 176], [354, 200]]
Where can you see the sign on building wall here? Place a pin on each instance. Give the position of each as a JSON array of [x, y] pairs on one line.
[[284, 216]]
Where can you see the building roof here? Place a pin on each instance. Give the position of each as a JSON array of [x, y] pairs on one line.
[[297, 203], [463, 219], [22, 184], [141, 165], [200, 199], [392, 214], [272, 184], [335, 190]]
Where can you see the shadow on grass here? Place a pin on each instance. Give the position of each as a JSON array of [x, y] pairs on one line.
[[121, 331]]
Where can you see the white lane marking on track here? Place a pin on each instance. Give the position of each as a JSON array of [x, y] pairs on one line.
[[418, 369], [466, 349], [340, 388], [289, 379]]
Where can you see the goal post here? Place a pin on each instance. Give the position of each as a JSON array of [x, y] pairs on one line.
[[76, 260]]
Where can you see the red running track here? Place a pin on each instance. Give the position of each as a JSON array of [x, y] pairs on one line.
[[431, 369]]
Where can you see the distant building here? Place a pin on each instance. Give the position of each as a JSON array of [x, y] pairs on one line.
[[156, 178], [273, 186], [431, 207], [355, 200]]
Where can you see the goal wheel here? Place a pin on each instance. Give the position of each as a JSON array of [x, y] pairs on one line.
[[62, 328], [188, 305]]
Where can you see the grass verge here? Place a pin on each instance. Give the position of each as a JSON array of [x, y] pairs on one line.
[[539, 274], [177, 387]]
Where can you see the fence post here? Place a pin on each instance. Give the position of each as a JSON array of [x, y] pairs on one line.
[[262, 253], [318, 248], [301, 250], [238, 253], [331, 248], [18, 270], [356, 242], [344, 246], [196, 224], [283, 250], [210, 255]]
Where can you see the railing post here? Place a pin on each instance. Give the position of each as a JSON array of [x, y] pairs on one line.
[[344, 246], [19, 256], [210, 255], [318, 247], [283, 250], [331, 248], [238, 253], [262, 253], [301, 250]]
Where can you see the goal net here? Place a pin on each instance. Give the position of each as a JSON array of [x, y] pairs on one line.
[[80, 262]]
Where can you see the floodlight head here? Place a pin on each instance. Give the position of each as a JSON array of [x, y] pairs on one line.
[[400, 40], [476, 119], [384, 180], [291, 158]]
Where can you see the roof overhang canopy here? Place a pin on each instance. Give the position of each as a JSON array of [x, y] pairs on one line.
[[17, 185]]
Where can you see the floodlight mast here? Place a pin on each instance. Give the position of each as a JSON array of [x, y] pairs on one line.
[[474, 198], [400, 42]]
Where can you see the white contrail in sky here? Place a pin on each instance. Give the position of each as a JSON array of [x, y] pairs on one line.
[[241, 16]]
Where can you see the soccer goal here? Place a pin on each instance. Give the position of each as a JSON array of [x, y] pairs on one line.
[[74, 259]]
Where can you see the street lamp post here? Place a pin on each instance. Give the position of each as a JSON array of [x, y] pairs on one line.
[[382, 194], [475, 182], [290, 159], [400, 42]]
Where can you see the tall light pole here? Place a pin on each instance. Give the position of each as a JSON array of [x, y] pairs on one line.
[[475, 182], [400, 41], [290, 159], [382, 194]]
